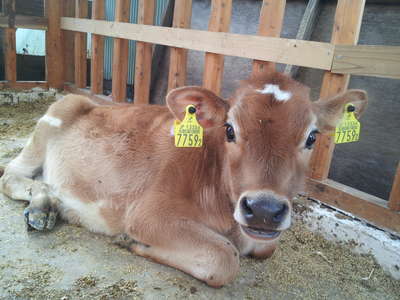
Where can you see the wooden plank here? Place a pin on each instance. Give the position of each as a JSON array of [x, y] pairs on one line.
[[97, 63], [54, 61], [370, 208], [10, 55], [144, 53], [120, 55], [178, 56], [346, 29], [271, 20], [80, 52], [303, 53], [306, 28], [220, 20], [72, 88], [24, 85], [68, 40], [377, 61], [21, 21], [394, 199]]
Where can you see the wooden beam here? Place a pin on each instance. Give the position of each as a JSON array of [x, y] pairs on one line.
[[306, 28], [144, 53], [220, 20], [378, 61], [271, 20], [68, 40], [23, 85], [10, 55], [97, 63], [303, 53], [21, 21], [81, 11], [54, 61], [362, 205], [120, 55], [178, 56], [394, 199], [346, 29]]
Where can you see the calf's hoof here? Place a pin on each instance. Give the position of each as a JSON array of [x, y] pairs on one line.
[[40, 219]]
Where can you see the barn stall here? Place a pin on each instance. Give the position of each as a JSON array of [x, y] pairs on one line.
[[64, 264]]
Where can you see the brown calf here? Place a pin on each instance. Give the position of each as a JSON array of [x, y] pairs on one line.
[[115, 170]]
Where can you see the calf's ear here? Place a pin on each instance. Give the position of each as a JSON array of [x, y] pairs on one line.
[[330, 111], [211, 110]]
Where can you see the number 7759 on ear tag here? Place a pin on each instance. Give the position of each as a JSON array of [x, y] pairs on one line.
[[188, 133], [348, 129]]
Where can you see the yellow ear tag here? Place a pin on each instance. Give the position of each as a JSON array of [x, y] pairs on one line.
[[348, 129], [188, 133]]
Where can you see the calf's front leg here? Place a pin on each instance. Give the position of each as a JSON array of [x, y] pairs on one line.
[[186, 245], [42, 210]]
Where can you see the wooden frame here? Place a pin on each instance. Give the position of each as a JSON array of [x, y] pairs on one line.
[[144, 53], [339, 59], [120, 53], [289, 51]]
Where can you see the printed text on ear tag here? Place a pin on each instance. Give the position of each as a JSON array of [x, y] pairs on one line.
[[348, 129], [188, 133]]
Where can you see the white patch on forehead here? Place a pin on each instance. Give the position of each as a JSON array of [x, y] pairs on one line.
[[52, 121], [172, 131], [276, 91]]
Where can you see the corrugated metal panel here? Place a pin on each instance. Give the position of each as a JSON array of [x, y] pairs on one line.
[[161, 6]]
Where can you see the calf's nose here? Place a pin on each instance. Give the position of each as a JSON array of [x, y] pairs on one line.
[[263, 211]]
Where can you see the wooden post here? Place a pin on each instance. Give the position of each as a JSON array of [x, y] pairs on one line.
[[306, 28], [81, 11], [97, 63], [144, 52], [220, 20], [271, 20], [178, 56], [10, 54], [54, 59], [394, 199], [346, 29], [120, 55], [68, 42]]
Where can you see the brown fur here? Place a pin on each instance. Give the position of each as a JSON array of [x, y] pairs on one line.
[[178, 203]]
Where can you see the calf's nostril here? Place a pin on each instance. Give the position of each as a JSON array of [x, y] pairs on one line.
[[280, 213], [246, 207]]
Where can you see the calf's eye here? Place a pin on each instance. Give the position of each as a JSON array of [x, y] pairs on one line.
[[312, 137], [230, 133]]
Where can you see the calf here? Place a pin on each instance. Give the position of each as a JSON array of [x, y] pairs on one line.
[[114, 169]]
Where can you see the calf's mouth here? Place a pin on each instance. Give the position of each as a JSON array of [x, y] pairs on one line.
[[260, 234]]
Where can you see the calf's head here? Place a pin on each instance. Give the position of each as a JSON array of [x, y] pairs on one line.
[[266, 131]]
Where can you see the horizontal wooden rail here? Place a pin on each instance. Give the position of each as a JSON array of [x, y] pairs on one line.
[[23, 84], [21, 21], [378, 61], [369, 60], [365, 206], [302, 53]]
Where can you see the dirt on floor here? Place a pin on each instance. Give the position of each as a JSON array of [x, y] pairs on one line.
[[72, 263]]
